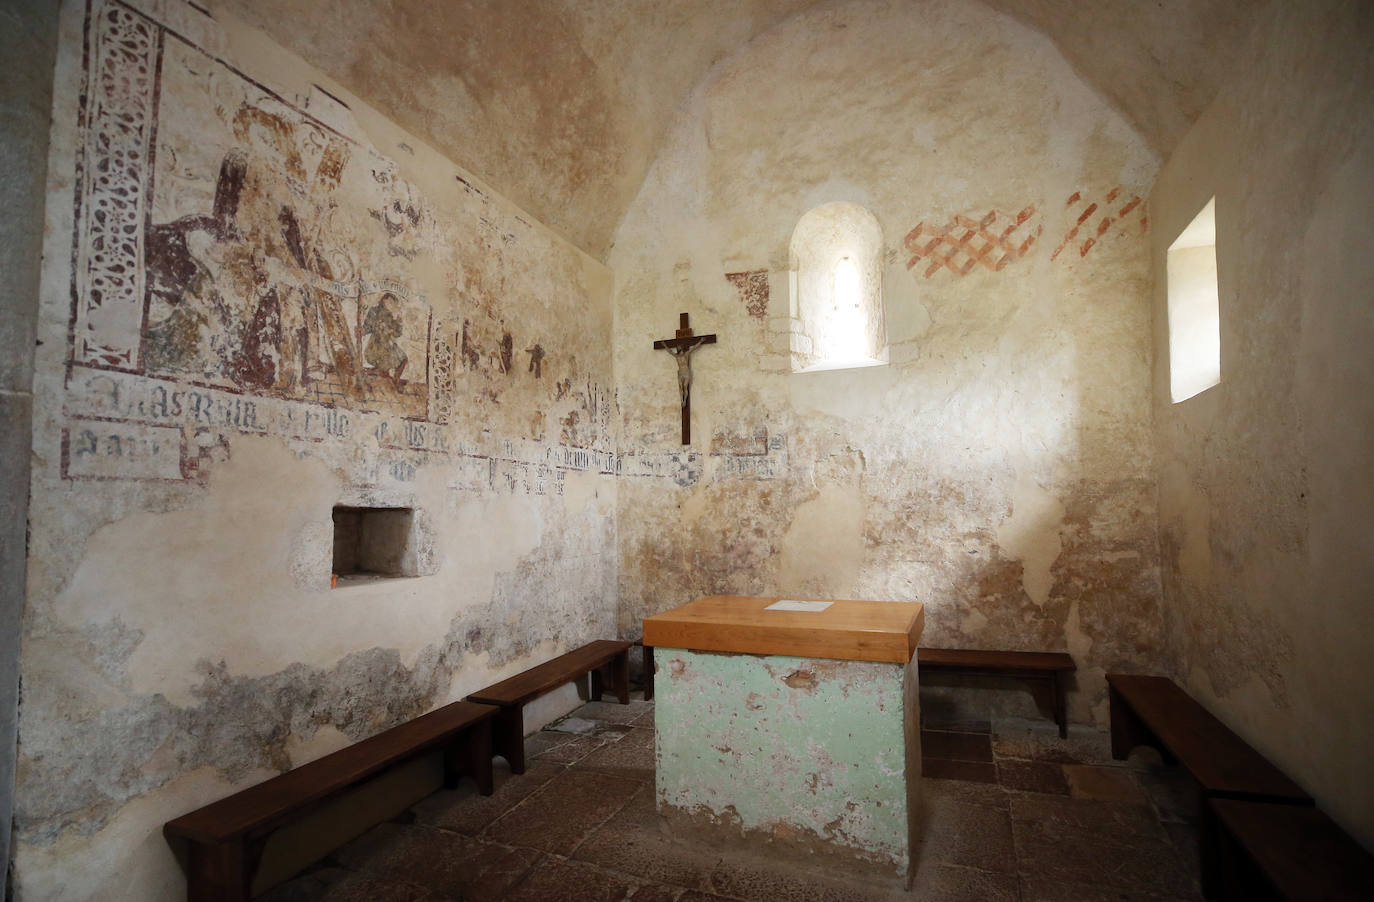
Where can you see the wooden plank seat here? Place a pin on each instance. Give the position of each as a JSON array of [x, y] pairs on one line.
[[1154, 711], [1289, 852], [595, 658], [1048, 667], [223, 841]]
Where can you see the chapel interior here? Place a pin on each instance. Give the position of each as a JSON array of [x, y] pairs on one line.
[[349, 352]]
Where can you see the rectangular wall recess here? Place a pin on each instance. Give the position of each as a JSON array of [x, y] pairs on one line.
[[1194, 320], [372, 543]]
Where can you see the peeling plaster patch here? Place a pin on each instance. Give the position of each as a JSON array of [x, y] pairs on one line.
[[240, 725], [130, 854], [327, 739], [1031, 535]]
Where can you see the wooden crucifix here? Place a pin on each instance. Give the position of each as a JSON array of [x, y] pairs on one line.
[[681, 347]]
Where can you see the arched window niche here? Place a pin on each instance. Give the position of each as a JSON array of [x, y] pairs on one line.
[[835, 275]]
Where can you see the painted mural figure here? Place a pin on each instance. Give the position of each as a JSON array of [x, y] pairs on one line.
[[383, 327], [180, 280]]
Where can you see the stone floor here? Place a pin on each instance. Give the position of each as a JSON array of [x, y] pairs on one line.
[[1012, 814]]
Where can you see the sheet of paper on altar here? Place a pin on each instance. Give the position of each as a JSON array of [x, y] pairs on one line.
[[810, 607]]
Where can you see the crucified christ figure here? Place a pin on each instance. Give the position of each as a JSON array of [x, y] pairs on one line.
[[681, 346], [683, 354]]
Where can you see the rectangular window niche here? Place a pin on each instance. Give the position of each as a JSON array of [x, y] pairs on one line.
[[1194, 321], [373, 543]]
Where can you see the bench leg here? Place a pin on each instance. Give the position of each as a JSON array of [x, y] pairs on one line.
[[1061, 713], [508, 737], [598, 684], [648, 673], [620, 676], [222, 872], [1209, 852], [470, 756], [1127, 729]]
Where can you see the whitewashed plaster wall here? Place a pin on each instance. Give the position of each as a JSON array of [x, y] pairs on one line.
[[1267, 479], [240, 256], [1000, 468]]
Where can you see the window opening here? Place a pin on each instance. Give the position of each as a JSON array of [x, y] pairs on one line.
[[836, 281], [1194, 314]]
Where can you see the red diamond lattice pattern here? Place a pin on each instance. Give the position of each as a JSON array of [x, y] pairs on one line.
[[964, 242]]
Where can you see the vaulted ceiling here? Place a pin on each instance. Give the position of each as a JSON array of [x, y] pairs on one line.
[[561, 104]]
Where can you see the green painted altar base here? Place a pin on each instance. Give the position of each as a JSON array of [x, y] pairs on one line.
[[806, 753]]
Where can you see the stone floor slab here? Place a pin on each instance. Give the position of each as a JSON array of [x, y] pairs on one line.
[[1077, 856], [1103, 784], [750, 882], [1039, 889], [989, 795], [564, 812], [633, 841], [631, 757], [1108, 818], [571, 750], [464, 810], [957, 833], [449, 864], [560, 880], [657, 892], [1032, 776], [947, 883]]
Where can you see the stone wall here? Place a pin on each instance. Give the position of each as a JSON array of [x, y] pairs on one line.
[[1267, 480], [999, 469], [28, 36], [261, 300]]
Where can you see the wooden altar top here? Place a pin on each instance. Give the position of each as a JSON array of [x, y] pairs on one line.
[[848, 630]]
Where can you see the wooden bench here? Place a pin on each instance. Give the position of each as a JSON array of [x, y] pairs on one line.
[[1154, 711], [1289, 852], [1047, 667], [508, 739], [224, 840]]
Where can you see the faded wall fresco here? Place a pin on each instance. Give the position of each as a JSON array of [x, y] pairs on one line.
[[262, 299], [999, 469]]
